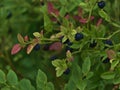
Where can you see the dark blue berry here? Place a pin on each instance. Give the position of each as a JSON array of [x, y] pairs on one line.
[[46, 47], [9, 15], [78, 36], [67, 71], [37, 47], [53, 57], [108, 42], [107, 60], [101, 4], [69, 43], [93, 44], [66, 41], [69, 48]]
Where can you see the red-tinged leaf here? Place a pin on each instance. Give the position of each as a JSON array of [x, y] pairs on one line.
[[53, 19], [111, 54], [30, 48], [92, 18], [99, 22], [51, 9], [20, 38], [26, 38], [77, 17], [56, 12], [83, 20], [57, 46], [80, 11], [69, 56], [67, 16], [16, 48]]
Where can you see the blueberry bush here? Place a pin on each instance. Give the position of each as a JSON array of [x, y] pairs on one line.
[[59, 45]]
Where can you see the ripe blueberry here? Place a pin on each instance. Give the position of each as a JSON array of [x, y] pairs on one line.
[[37, 47], [69, 48], [69, 43], [101, 4], [67, 71], [46, 47], [108, 42], [78, 36], [107, 60], [93, 44]]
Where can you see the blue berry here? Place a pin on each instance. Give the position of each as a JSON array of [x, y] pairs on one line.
[[108, 42], [78, 36], [9, 15], [37, 47], [107, 60], [53, 57], [46, 47], [69, 43], [101, 4], [69, 48], [67, 71], [93, 44]]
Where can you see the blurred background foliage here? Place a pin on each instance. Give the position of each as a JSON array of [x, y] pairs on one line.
[[24, 16]]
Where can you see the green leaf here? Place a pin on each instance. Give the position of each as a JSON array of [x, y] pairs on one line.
[[116, 80], [108, 75], [60, 65], [2, 77], [5, 88], [114, 63], [70, 85], [37, 34], [12, 78], [104, 15], [75, 46], [25, 84], [90, 74], [41, 80], [47, 23], [86, 66], [49, 86], [77, 77], [64, 39], [20, 38], [59, 71], [62, 11], [81, 85], [84, 6]]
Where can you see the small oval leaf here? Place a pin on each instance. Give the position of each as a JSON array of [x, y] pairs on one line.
[[16, 48], [2, 77], [56, 46], [108, 75], [20, 38], [37, 34]]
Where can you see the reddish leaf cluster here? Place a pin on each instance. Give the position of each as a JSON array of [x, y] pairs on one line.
[[52, 9]]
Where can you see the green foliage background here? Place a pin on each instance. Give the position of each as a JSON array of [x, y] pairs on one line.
[[35, 71]]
